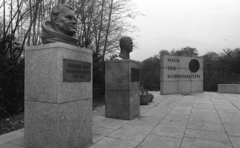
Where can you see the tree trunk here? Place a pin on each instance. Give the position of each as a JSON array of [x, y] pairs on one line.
[[107, 31], [100, 28]]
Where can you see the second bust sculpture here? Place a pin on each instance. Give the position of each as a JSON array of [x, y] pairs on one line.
[[126, 46], [61, 27]]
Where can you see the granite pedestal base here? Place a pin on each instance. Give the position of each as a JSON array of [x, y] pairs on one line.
[[58, 109], [122, 89], [122, 104]]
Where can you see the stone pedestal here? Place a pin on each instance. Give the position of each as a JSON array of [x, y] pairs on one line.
[[58, 96], [122, 98]]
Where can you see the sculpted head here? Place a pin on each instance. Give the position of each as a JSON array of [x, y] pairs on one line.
[[126, 46], [63, 19]]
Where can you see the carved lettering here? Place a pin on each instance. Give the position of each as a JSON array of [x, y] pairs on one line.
[[184, 76], [173, 60], [85, 67], [76, 71], [71, 65], [171, 68]]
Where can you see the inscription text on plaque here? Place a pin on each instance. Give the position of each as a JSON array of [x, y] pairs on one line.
[[76, 71], [135, 75]]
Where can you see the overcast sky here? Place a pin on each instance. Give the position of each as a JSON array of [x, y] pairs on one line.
[[207, 25]]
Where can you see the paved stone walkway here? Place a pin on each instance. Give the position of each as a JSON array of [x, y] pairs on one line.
[[208, 120]]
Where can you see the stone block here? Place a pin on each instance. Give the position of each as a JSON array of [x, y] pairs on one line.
[[179, 72], [44, 73], [168, 76], [222, 88], [118, 75], [122, 104], [184, 62], [184, 74], [50, 125], [197, 87], [169, 61], [229, 88], [184, 87], [197, 76], [235, 88], [161, 73], [168, 87]]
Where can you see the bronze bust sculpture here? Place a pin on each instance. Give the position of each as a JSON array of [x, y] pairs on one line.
[[61, 27], [126, 46]]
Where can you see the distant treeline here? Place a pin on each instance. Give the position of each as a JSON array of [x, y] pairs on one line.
[[219, 68]]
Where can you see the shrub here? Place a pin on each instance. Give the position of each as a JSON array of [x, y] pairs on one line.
[[11, 78]]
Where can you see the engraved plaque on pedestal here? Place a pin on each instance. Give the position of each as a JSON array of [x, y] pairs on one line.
[[76, 71], [135, 75]]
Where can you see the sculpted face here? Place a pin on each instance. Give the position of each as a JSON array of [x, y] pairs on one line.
[[127, 44], [66, 22], [61, 27]]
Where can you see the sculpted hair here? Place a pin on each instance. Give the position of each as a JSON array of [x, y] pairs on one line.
[[57, 9], [122, 40]]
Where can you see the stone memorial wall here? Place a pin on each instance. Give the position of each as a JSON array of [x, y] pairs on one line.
[[181, 75]]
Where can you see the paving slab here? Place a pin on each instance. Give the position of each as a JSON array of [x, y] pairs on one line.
[[233, 129], [235, 141], [180, 112], [208, 135], [229, 111], [199, 143], [9, 145], [112, 123], [174, 131], [203, 105], [204, 110], [206, 126], [178, 107], [205, 120], [231, 119], [144, 110], [19, 141], [156, 141], [11, 136], [145, 121], [131, 133], [209, 115], [100, 132], [201, 120], [114, 143], [173, 119]]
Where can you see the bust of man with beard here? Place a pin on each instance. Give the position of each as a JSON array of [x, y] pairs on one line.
[[126, 46], [61, 27]]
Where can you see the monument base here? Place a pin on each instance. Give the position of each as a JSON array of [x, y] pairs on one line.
[[58, 96], [122, 104], [122, 89], [50, 125]]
